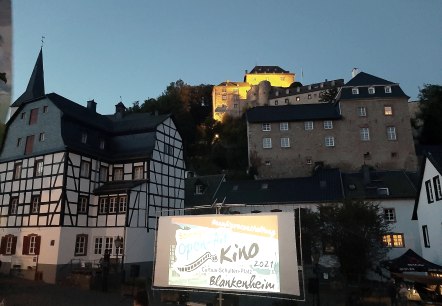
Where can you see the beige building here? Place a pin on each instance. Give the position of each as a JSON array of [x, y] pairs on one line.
[[369, 124]]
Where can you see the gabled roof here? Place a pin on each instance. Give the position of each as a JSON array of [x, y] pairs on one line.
[[268, 69], [364, 79], [289, 113], [36, 86], [210, 183]]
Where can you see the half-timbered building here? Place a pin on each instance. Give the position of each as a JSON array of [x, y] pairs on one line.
[[72, 181]]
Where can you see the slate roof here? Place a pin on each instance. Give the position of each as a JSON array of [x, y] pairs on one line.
[[210, 183], [268, 69], [363, 81], [36, 86], [117, 187], [293, 90], [289, 113], [400, 185]]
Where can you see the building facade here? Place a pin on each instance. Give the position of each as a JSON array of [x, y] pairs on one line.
[[73, 181]]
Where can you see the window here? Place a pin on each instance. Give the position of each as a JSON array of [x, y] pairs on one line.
[[437, 188], [45, 109], [138, 172], [108, 244], [308, 125], [17, 171], [22, 115], [328, 124], [38, 167], [267, 143], [81, 245], [285, 142], [390, 215], [18, 142], [34, 116], [383, 191], [284, 126], [426, 236], [224, 97], [268, 163], [362, 111], [41, 137], [388, 89], [168, 149], [122, 203], [84, 137], [8, 245], [29, 144], [429, 188], [365, 134], [266, 127], [308, 160], [276, 102], [35, 204], [31, 244], [199, 189], [309, 96], [102, 144], [388, 111], [103, 173], [371, 90], [286, 101], [112, 205], [102, 205], [355, 91], [329, 141], [118, 174], [85, 169], [98, 245], [393, 240], [13, 206], [391, 133], [82, 204]]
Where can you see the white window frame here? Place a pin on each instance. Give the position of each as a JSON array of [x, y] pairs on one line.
[[328, 124], [98, 245], [41, 137], [35, 204], [437, 188], [39, 167], [17, 171], [112, 207], [285, 142], [329, 141], [118, 174], [308, 125], [80, 245], [82, 204], [388, 110], [394, 240], [85, 168], [32, 244], [388, 89], [267, 143], [429, 190], [355, 91], [266, 127], [364, 134], [362, 111], [9, 244], [390, 214], [391, 133], [138, 172], [371, 90], [283, 126], [109, 244], [102, 205], [122, 203]]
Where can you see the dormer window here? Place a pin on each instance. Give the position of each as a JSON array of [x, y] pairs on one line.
[[383, 191], [102, 144], [264, 186], [355, 91], [388, 89], [371, 90], [277, 93], [199, 189], [84, 137]]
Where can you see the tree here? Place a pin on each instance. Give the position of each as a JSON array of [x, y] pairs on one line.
[[355, 229], [429, 115], [328, 95]]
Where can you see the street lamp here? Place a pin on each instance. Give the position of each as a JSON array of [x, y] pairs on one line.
[[118, 246]]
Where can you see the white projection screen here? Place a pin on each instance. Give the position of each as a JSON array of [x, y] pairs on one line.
[[247, 253]]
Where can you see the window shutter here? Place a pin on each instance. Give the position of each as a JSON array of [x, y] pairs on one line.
[[3, 246], [37, 245], [34, 116], [29, 144], [14, 245], [25, 250], [85, 244]]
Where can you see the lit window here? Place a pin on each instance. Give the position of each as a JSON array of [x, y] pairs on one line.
[[328, 124], [35, 204], [285, 142], [83, 137], [112, 205], [365, 134], [38, 168], [81, 245], [98, 245], [284, 126], [85, 169], [355, 91], [13, 206], [437, 188], [138, 172], [362, 111], [267, 143], [388, 111], [266, 127], [371, 90], [122, 203], [389, 215], [391, 133], [329, 141], [308, 125], [82, 204], [393, 240], [426, 236], [41, 137], [388, 89], [118, 174], [429, 189], [17, 171], [102, 206]]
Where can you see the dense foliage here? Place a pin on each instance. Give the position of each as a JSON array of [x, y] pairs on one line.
[[429, 116]]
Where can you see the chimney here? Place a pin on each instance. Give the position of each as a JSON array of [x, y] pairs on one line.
[[355, 72], [120, 110], [92, 105]]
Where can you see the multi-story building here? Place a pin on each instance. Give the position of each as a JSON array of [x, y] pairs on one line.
[[73, 182], [369, 124]]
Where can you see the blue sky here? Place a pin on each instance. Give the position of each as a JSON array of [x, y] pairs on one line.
[[104, 49]]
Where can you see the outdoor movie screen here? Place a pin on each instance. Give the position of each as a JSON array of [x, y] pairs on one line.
[[247, 253]]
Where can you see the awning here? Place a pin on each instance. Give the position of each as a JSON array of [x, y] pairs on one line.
[[411, 262]]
